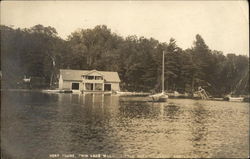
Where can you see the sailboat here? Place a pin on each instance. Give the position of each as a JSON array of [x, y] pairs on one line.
[[161, 97]]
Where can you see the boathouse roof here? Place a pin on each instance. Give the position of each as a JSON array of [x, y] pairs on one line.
[[76, 75]]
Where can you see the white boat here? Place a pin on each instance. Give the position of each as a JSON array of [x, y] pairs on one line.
[[160, 97], [235, 99]]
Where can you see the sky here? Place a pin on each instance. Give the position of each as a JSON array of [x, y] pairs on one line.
[[224, 25]]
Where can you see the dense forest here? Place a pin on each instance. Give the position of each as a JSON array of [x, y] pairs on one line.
[[39, 52]]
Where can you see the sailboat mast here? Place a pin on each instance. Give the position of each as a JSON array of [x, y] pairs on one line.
[[163, 71]]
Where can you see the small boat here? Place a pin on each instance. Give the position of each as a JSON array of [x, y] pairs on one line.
[[160, 97], [234, 99]]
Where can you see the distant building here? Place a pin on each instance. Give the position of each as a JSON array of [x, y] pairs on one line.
[[33, 82], [88, 80]]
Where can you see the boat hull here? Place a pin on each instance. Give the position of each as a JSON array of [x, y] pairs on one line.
[[159, 98], [163, 99], [234, 99]]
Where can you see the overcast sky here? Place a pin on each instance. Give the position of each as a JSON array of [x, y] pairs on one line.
[[222, 24]]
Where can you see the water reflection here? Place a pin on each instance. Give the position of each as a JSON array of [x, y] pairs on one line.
[[199, 129], [38, 124], [137, 110], [89, 129], [172, 111]]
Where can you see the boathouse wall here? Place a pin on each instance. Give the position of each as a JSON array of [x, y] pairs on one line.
[[76, 80]]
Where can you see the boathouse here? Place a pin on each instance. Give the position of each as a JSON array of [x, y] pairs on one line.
[[88, 80]]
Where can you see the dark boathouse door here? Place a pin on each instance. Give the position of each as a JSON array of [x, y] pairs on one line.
[[75, 86], [107, 87]]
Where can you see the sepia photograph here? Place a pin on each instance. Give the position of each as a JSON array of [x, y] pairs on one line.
[[124, 79]]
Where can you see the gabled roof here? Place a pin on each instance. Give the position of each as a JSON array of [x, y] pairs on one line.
[[94, 73], [76, 75]]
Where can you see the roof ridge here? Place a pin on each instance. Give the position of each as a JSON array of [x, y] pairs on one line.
[[86, 70], [68, 74]]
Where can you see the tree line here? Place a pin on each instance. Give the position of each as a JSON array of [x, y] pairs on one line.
[[39, 52]]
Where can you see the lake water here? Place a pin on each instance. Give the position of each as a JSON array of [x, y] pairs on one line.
[[40, 125]]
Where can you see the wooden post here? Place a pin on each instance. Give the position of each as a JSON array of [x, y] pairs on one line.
[[163, 53]]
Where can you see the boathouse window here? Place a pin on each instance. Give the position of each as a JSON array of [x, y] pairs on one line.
[[107, 87], [75, 86], [98, 78], [90, 77], [98, 86]]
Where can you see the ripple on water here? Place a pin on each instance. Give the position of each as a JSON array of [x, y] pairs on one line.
[[103, 124]]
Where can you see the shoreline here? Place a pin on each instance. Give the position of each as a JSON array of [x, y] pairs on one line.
[[246, 98]]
